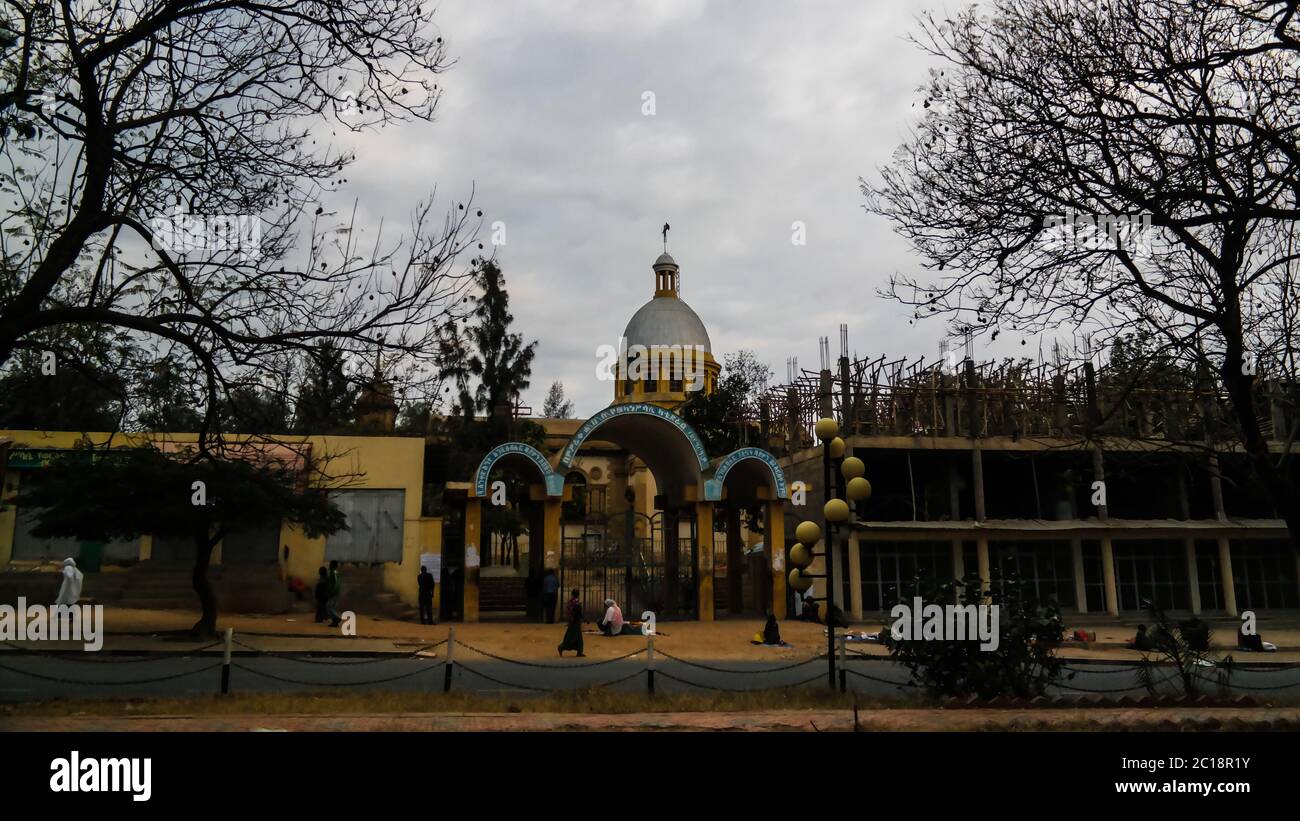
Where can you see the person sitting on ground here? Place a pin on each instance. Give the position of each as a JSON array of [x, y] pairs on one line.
[[1253, 641], [837, 617], [771, 635], [613, 624], [1196, 633], [1141, 641]]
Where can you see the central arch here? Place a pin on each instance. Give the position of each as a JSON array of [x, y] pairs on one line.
[[669, 446]]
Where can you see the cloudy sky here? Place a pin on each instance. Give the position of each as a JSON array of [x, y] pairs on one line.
[[765, 113]]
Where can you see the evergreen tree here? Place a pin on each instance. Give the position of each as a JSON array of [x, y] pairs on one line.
[[490, 353], [326, 396], [166, 398], [557, 407]]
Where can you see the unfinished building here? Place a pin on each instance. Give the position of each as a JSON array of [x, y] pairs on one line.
[[1093, 487]]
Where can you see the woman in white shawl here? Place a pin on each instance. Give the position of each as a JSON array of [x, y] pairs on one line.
[[611, 624], [70, 590]]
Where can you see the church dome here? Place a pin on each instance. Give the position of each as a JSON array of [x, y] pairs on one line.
[[666, 320]]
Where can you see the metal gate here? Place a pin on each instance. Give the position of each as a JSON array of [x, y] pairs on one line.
[[641, 573]]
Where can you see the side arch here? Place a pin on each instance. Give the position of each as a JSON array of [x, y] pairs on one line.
[[554, 481], [713, 487]]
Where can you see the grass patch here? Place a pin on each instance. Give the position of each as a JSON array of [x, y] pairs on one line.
[[592, 700]]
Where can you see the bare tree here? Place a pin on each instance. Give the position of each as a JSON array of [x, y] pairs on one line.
[[162, 157], [1115, 167]]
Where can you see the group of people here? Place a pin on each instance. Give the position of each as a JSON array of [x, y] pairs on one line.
[[611, 623], [1197, 635]]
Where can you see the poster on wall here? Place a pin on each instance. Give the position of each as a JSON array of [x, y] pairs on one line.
[[471, 557], [432, 561]]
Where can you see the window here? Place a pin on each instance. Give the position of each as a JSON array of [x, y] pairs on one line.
[[888, 568], [1151, 569]]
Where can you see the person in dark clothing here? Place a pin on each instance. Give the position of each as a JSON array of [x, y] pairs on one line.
[[322, 595], [550, 595], [1197, 634], [427, 584], [771, 632], [837, 617], [573, 634], [336, 593], [1141, 641]]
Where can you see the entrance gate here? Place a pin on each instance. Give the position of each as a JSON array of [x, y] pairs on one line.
[[647, 573]]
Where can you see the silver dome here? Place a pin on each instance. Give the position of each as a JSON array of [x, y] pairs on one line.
[[666, 320]]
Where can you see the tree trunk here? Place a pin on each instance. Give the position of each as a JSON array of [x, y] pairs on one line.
[[204, 543], [1283, 492]]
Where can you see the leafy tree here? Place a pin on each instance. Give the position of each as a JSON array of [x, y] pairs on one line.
[[556, 406], [1024, 664], [84, 392], [415, 417], [326, 395], [1171, 642], [168, 399], [122, 494], [725, 418]]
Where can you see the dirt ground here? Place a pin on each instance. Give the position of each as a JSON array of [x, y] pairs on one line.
[[725, 639]]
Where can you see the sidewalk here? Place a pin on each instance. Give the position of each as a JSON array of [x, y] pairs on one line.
[[910, 720], [726, 640]]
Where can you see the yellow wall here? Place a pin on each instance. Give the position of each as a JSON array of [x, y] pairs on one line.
[[371, 462]]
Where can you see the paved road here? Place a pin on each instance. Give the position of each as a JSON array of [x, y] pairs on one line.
[[140, 676]]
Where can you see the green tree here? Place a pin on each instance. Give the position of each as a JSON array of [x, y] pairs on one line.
[[63, 379], [556, 406], [1024, 664], [725, 418], [496, 358], [326, 395], [123, 494], [168, 399]]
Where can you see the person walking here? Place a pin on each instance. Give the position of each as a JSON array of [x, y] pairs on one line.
[[70, 587], [550, 595], [336, 593], [573, 635], [427, 584], [322, 594]]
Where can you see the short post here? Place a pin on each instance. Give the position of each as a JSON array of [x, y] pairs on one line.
[[225, 661], [650, 664], [844, 653], [451, 649]]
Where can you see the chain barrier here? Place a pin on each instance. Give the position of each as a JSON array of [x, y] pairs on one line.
[[744, 672], [495, 657], [109, 683], [288, 680], [879, 680], [481, 674], [97, 658], [671, 677]]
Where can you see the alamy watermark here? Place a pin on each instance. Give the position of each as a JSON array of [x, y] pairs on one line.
[[1073, 231], [184, 233], [53, 622], [654, 362], [949, 622]]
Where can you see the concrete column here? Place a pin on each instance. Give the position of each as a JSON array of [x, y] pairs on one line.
[[982, 556], [553, 540], [1225, 577], [1193, 575], [958, 566], [855, 577], [1080, 588], [776, 550], [704, 565], [1108, 575], [977, 470], [473, 531]]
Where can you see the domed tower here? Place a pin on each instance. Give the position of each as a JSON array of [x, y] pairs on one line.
[[667, 357]]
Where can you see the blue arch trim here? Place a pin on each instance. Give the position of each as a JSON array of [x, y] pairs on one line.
[[713, 487], [554, 481], [644, 409]]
